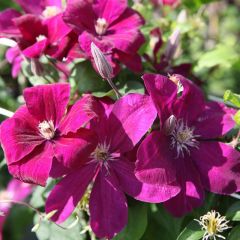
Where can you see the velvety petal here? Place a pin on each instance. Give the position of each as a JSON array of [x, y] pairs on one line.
[[192, 193], [85, 40], [156, 161], [31, 27], [57, 29], [47, 102], [108, 206], [152, 193], [191, 103], [7, 27], [74, 149], [78, 115], [12, 53], [215, 121], [31, 6], [35, 167], [68, 192], [126, 37], [110, 10], [79, 14], [17, 66], [36, 50], [19, 190], [133, 62], [56, 3], [130, 119], [19, 135], [219, 165], [163, 93]]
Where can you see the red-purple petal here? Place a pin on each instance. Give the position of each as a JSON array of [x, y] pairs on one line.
[[68, 192], [156, 161], [80, 15], [214, 121], [219, 166], [31, 6], [163, 93], [108, 206], [36, 50], [192, 193], [130, 119], [110, 10], [7, 27], [153, 193], [19, 135], [35, 167], [74, 149], [47, 102]]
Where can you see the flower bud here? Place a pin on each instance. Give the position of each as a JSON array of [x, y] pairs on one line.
[[36, 67], [173, 44], [169, 125], [8, 42], [103, 66]]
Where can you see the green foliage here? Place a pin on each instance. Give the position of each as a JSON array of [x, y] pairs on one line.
[[233, 213], [234, 234], [137, 223], [194, 5], [191, 232], [50, 231], [233, 98]]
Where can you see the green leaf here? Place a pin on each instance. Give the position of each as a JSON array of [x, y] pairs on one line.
[[191, 232], [50, 231], [85, 79], [234, 234], [232, 98], [194, 5], [137, 223], [222, 55], [132, 87], [237, 117], [233, 213]]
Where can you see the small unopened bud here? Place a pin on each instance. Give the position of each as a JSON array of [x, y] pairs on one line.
[[36, 67], [103, 66], [169, 125], [50, 214], [35, 227], [173, 44]]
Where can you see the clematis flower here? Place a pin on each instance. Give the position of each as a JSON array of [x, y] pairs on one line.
[[40, 137], [172, 3], [16, 191], [112, 26], [108, 171], [185, 150]]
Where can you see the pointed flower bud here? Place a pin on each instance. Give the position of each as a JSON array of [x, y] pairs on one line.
[[103, 66], [36, 67], [173, 44], [169, 125]]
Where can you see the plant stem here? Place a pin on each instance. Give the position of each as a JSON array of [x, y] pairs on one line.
[[118, 94]]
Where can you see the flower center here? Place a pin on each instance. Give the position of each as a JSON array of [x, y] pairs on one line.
[[101, 26], [182, 136], [51, 11], [46, 129], [213, 224], [40, 38], [101, 153]]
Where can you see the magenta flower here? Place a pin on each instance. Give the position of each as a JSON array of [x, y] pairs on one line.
[[172, 3], [14, 56], [184, 151], [111, 25], [16, 191], [108, 171], [40, 137]]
